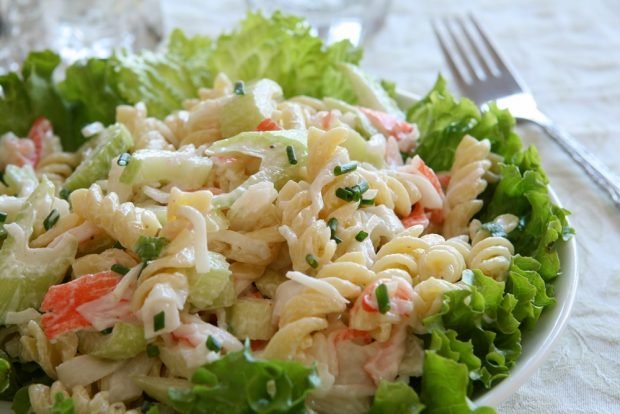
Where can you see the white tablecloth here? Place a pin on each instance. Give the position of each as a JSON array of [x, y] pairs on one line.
[[568, 52]]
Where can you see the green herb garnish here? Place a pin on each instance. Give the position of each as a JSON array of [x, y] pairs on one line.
[[361, 236], [345, 168], [51, 219], [152, 350], [312, 261], [290, 153], [149, 248], [383, 299], [159, 321], [120, 269], [239, 88], [213, 344], [124, 159]]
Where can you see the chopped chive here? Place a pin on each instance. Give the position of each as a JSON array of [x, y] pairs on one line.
[[367, 201], [2, 217], [383, 299], [120, 269], [3, 232], [64, 193], [152, 350], [149, 248], [159, 321], [118, 245], [312, 261], [332, 223], [344, 193], [107, 331], [239, 88], [124, 159], [345, 168], [51, 219], [361, 236], [290, 152], [363, 187], [213, 344]]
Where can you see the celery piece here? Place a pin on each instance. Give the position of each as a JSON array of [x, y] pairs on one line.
[[158, 387], [27, 273], [125, 341], [251, 318], [359, 150], [271, 147], [362, 123], [112, 141], [245, 112], [369, 91], [269, 282], [159, 166], [213, 289]]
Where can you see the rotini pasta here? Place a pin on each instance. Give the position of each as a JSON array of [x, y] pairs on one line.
[[124, 222], [492, 254], [306, 228], [467, 181]]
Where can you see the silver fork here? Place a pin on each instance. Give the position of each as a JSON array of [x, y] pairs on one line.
[[483, 76]]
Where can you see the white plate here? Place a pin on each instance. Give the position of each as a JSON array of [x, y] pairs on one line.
[[538, 343]]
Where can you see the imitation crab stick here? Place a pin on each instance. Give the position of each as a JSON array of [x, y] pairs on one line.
[[268, 124], [387, 124], [40, 128], [417, 216], [62, 301]]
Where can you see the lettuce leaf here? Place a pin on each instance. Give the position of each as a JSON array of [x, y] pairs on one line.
[[62, 404], [33, 93], [162, 80], [92, 89], [443, 121], [444, 385], [282, 48], [239, 383], [89, 87], [481, 327], [5, 374], [395, 397], [18, 376], [522, 191]]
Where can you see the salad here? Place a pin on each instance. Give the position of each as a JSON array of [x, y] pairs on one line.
[[252, 224]]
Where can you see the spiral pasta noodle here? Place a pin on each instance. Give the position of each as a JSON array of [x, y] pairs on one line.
[[36, 347], [57, 166], [424, 257], [124, 222], [147, 132], [42, 398], [466, 183], [492, 254]]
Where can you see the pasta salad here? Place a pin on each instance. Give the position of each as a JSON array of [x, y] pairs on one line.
[[232, 226]]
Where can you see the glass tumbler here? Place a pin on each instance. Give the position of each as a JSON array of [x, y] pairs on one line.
[[76, 29], [334, 20]]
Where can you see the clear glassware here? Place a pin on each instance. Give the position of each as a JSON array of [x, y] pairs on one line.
[[334, 20], [76, 29]]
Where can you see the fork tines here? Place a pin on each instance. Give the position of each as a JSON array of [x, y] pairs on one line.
[[470, 53]]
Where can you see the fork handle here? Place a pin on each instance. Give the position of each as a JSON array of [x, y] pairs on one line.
[[597, 171]]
